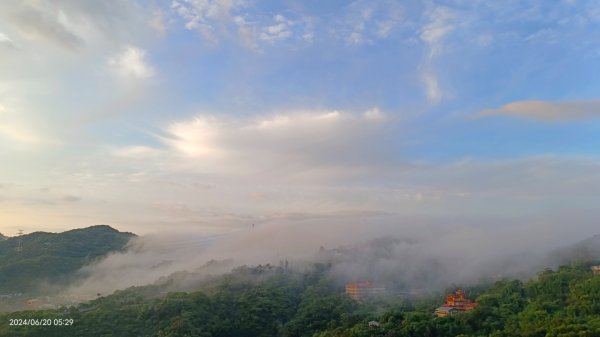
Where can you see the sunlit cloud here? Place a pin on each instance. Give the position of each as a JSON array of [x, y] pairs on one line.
[[547, 110], [292, 143]]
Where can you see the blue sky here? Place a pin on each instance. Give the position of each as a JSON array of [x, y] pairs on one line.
[[212, 114]]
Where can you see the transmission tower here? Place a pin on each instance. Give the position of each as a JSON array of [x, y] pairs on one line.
[[19, 247]]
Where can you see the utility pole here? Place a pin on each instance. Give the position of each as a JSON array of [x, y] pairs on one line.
[[19, 247]]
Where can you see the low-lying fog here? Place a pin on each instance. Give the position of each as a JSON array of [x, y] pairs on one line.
[[413, 254]]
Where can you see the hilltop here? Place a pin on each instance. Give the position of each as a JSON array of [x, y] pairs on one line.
[[54, 257], [584, 250]]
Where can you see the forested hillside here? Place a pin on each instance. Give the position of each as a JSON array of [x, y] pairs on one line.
[[53, 257], [270, 301]]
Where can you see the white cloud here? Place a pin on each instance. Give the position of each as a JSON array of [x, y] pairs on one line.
[[384, 28], [361, 18], [56, 80], [43, 21], [197, 138], [439, 24], [357, 23], [548, 110], [292, 143], [432, 87], [364, 22], [274, 168], [203, 12], [308, 37], [241, 22], [355, 38], [545, 35], [75, 26], [207, 16], [131, 63], [6, 41], [280, 30], [374, 114]]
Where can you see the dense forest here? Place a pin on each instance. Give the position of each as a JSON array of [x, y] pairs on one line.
[[54, 257], [272, 301]]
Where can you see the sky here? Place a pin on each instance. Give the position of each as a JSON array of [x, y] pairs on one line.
[[211, 115]]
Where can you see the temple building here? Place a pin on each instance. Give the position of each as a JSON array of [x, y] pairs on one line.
[[455, 303]]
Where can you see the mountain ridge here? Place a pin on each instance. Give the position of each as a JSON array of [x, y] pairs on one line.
[[39, 257]]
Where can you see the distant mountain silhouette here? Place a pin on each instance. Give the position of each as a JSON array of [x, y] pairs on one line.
[[584, 250]]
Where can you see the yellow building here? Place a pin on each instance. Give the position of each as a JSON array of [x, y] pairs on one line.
[[445, 311], [362, 290]]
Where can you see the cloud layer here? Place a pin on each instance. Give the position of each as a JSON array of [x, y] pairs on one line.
[[292, 143]]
